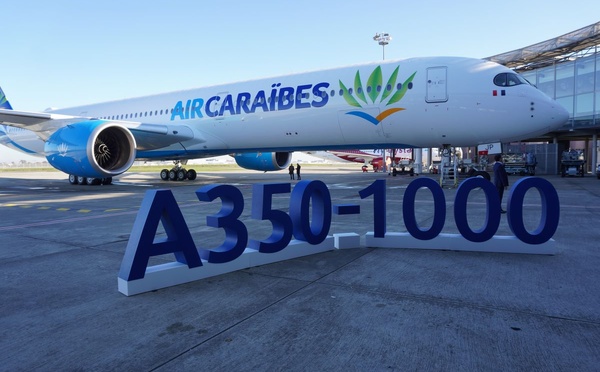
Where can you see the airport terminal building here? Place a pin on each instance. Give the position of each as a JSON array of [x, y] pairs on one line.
[[566, 68]]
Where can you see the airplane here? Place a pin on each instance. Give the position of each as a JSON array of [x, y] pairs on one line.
[[365, 156], [412, 103]]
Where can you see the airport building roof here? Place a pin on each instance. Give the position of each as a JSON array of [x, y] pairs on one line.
[[574, 44]]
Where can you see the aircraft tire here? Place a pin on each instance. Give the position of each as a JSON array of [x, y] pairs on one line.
[[172, 175], [181, 175], [191, 174], [164, 174], [81, 180], [93, 181], [73, 179], [106, 181]]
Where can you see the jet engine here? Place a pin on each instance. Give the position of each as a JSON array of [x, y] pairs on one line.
[[94, 148], [264, 161]]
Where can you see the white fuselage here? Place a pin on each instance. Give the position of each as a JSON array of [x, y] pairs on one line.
[[446, 100]]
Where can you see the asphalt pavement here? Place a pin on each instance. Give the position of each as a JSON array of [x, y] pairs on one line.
[[357, 309]]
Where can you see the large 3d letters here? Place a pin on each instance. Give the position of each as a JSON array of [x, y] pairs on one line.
[[158, 206]]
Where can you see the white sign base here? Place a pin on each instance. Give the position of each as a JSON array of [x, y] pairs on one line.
[[455, 242], [174, 273]]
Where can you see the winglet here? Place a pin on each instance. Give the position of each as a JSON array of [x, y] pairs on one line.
[[4, 104]]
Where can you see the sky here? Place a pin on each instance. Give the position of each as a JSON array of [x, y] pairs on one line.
[[64, 53]]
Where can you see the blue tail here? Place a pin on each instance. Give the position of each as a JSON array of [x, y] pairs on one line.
[[4, 104]]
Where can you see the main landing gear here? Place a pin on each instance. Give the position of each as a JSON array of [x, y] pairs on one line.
[[178, 173], [78, 180]]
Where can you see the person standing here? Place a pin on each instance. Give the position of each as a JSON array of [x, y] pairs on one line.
[[291, 170], [298, 170], [500, 178]]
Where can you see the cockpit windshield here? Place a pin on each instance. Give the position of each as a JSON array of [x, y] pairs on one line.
[[509, 79]]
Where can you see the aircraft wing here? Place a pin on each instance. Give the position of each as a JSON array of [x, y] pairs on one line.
[[147, 136], [43, 124]]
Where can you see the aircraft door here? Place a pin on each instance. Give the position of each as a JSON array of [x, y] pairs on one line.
[[437, 90]]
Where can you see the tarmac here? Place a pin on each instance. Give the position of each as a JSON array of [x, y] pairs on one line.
[[360, 309]]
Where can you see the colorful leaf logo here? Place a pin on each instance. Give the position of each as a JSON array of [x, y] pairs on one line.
[[373, 90], [3, 101]]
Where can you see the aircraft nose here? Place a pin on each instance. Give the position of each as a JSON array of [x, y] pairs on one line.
[[555, 115], [559, 114]]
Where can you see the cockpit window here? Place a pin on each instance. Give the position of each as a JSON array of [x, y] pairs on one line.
[[509, 79]]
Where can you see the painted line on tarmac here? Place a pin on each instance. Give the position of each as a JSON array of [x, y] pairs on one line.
[[123, 183], [113, 212], [66, 220], [60, 209]]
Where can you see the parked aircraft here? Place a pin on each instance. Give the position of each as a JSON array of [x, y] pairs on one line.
[[366, 157], [418, 102]]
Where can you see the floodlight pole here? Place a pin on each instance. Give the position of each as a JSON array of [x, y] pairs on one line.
[[382, 39]]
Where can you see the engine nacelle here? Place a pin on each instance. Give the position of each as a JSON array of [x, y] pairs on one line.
[[94, 148], [264, 161]]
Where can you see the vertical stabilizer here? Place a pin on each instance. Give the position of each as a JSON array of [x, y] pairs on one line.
[[4, 104]]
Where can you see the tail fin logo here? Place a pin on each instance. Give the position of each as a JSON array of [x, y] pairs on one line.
[[4, 102], [373, 91]]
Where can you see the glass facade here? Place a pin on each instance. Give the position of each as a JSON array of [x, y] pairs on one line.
[[575, 84]]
